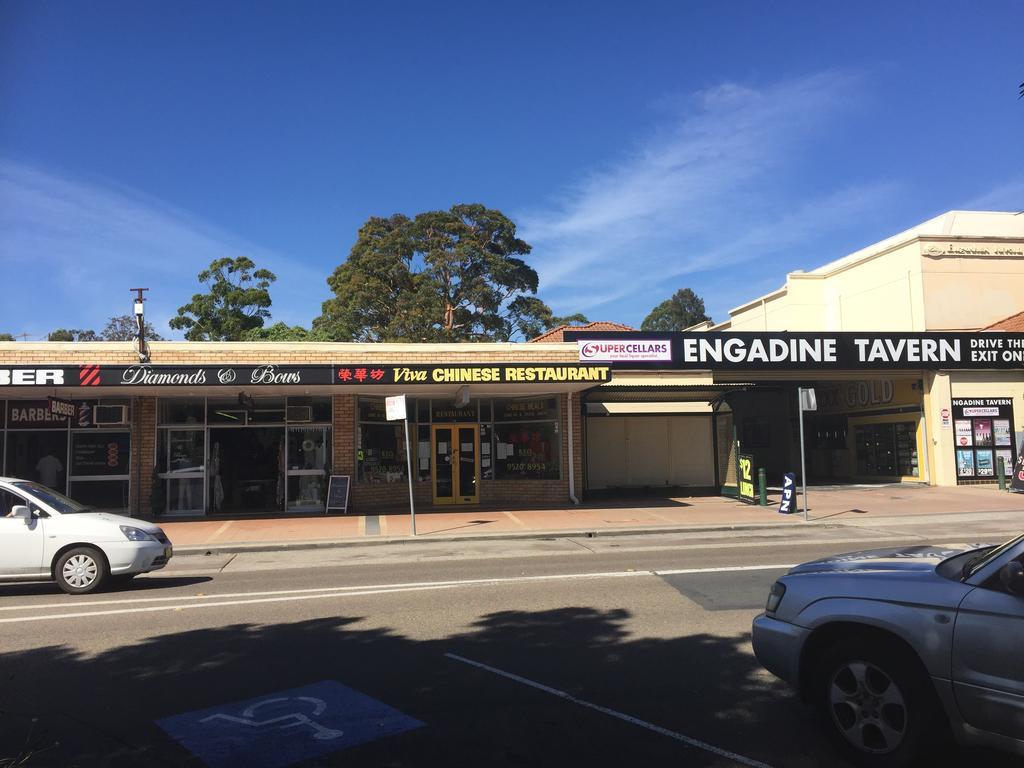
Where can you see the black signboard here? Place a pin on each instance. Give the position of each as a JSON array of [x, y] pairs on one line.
[[99, 453], [1017, 481], [746, 478], [256, 376], [742, 351], [982, 434], [337, 493], [788, 494], [33, 414]]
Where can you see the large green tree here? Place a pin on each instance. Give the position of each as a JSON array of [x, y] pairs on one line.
[[441, 276], [125, 328], [684, 309], [284, 332], [237, 300], [73, 334]]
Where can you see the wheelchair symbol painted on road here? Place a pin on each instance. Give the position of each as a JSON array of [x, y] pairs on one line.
[[286, 727], [290, 720]]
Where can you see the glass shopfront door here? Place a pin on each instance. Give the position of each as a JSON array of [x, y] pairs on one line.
[[455, 451]]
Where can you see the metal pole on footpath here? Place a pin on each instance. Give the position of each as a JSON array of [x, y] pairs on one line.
[[408, 462], [803, 464]]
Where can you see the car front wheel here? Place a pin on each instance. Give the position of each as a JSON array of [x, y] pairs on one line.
[[81, 570], [878, 703]]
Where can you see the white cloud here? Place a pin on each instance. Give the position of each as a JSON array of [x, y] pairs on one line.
[[72, 248], [710, 188]]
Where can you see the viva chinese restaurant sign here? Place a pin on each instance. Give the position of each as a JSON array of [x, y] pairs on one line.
[[846, 351], [305, 375]]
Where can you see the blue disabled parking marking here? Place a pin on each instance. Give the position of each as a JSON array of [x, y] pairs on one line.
[[285, 727]]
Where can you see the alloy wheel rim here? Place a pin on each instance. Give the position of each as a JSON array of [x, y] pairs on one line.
[[868, 707], [80, 571]]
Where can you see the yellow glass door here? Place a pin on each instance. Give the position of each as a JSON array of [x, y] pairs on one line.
[[455, 463]]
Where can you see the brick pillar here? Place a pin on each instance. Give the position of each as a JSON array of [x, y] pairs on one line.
[[143, 458], [344, 436]]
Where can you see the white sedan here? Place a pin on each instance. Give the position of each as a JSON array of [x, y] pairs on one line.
[[45, 535]]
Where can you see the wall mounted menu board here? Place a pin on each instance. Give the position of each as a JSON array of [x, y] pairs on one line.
[[983, 434], [337, 494]]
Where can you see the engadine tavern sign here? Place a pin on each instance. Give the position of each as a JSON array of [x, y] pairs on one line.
[[846, 351]]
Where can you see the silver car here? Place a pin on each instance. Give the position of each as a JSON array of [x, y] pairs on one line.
[[897, 648]]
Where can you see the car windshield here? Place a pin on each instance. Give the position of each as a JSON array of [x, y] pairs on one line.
[[978, 562], [58, 501]]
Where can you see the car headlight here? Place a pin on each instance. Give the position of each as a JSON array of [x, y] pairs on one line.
[[775, 597], [135, 534]]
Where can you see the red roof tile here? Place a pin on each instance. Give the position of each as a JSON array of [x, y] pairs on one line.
[[556, 334], [1011, 323]]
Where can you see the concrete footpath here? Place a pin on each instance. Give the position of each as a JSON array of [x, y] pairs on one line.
[[863, 506]]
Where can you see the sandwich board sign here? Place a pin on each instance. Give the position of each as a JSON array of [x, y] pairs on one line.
[[788, 492], [337, 494]]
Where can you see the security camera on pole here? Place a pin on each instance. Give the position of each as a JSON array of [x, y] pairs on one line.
[[394, 409], [807, 402]]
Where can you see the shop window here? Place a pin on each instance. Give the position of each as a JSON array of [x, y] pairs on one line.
[[266, 410], [101, 495], [181, 411], [528, 450], [372, 409], [486, 452], [381, 453], [226, 410], [423, 452], [525, 409], [39, 455]]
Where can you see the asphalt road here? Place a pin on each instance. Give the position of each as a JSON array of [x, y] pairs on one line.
[[613, 651]]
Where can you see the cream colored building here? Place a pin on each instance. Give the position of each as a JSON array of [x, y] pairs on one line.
[[961, 271]]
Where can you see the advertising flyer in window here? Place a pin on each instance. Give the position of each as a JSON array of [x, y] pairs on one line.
[[965, 463], [983, 432], [963, 433], [1001, 432], [985, 464]]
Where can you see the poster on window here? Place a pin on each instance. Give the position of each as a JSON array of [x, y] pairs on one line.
[[963, 433], [984, 464], [965, 463], [983, 432], [99, 453], [1001, 432]]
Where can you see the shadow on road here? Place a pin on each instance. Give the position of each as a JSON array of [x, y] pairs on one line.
[[136, 585], [67, 708]]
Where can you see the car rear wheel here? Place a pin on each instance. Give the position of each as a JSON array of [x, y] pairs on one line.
[[81, 570], [878, 703]]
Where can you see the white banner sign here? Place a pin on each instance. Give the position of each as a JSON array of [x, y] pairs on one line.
[[394, 408], [613, 350]]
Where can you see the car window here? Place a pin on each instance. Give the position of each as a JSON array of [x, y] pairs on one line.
[[975, 565], [8, 501], [58, 501]]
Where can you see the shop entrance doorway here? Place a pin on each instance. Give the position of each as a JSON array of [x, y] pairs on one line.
[[246, 470], [455, 464]]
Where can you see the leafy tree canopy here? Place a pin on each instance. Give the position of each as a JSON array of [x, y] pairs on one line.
[[441, 276], [6, 337], [684, 309], [284, 332], [72, 334], [125, 328], [573, 319], [237, 301]]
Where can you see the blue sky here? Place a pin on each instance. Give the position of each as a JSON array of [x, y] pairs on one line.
[[640, 147]]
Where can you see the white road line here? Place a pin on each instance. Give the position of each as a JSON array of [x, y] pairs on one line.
[[181, 602], [613, 713], [313, 590], [730, 569]]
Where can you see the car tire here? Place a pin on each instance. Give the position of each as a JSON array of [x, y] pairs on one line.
[[81, 570], [878, 704]]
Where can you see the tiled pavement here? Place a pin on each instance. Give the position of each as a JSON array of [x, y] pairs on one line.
[[839, 505]]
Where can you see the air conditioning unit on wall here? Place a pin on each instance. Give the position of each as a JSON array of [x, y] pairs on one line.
[[110, 415]]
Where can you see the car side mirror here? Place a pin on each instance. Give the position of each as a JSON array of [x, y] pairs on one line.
[[1012, 577], [22, 511]]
